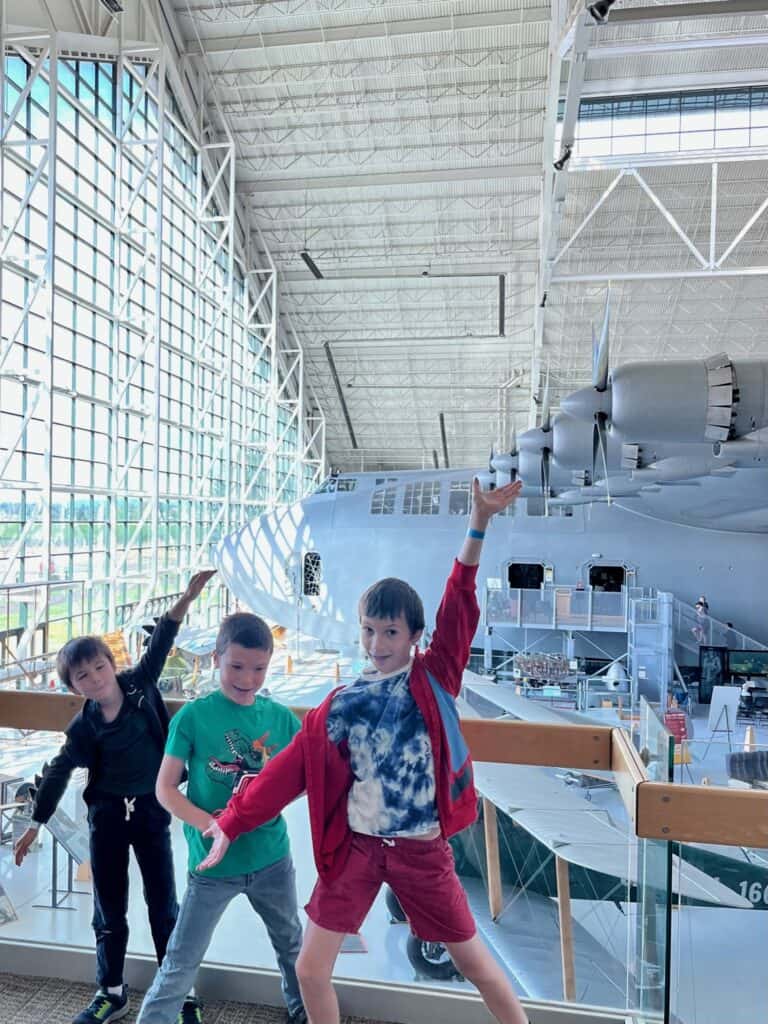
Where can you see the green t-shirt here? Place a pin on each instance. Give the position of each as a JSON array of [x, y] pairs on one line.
[[220, 742]]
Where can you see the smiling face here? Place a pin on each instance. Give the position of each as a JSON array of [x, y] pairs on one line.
[[387, 642], [242, 671], [95, 679]]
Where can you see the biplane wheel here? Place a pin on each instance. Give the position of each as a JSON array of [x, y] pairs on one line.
[[396, 912], [431, 960]]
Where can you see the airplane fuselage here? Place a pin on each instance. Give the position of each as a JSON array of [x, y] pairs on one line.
[[363, 526]]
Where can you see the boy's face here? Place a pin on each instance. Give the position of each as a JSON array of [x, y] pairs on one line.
[[387, 642], [95, 679], [242, 671]]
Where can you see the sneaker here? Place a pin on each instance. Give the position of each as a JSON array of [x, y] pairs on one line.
[[104, 1007], [191, 1012], [297, 1017]]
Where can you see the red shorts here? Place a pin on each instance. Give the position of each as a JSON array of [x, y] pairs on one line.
[[420, 872]]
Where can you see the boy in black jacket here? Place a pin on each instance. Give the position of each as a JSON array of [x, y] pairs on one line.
[[119, 736]]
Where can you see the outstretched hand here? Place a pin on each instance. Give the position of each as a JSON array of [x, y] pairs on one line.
[[24, 844], [193, 590], [220, 846], [487, 504], [196, 584]]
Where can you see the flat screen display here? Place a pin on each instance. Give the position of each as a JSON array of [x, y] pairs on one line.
[[748, 663]]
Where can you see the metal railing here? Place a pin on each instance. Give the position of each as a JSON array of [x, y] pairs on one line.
[[558, 607]]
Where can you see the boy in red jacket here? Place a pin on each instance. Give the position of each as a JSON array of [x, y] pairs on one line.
[[388, 779]]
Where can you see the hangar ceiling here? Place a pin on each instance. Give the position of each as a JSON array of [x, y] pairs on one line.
[[407, 150]]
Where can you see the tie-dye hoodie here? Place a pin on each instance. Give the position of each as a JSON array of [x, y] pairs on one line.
[[313, 764]]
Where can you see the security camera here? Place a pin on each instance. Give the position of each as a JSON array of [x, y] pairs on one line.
[[599, 11], [565, 156]]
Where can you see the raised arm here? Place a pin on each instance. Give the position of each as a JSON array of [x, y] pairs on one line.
[[150, 667], [485, 505], [194, 589], [458, 614]]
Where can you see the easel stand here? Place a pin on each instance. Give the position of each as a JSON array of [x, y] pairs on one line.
[[724, 714], [58, 896]]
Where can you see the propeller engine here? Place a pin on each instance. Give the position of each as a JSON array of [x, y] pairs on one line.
[[505, 465], [536, 445], [684, 401]]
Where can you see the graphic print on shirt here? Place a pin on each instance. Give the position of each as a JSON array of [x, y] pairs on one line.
[[390, 756], [248, 758]]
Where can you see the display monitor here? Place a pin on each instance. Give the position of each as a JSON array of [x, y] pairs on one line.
[[748, 663]]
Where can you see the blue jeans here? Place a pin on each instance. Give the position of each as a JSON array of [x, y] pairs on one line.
[[272, 894]]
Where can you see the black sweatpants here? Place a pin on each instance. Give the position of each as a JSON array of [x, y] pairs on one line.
[[115, 826]]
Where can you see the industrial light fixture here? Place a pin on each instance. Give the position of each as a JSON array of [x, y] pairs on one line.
[[599, 10], [113, 6], [313, 267], [565, 156]]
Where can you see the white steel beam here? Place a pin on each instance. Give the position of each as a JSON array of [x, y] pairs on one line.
[[556, 177], [385, 29], [386, 178]]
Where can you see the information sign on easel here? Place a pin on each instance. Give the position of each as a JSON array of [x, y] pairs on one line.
[[722, 712], [7, 909], [73, 839]]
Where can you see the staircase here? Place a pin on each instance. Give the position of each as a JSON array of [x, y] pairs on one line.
[[693, 631]]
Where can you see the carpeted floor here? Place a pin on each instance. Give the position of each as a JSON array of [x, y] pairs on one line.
[[54, 1001]]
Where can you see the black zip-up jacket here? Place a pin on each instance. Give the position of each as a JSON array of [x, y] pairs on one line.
[[81, 748]]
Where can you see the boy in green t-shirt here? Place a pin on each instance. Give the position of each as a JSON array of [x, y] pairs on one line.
[[220, 739]]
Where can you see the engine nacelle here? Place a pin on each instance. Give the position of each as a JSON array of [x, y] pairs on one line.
[[682, 401], [660, 401]]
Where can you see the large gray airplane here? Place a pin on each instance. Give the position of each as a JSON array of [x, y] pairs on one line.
[[655, 477]]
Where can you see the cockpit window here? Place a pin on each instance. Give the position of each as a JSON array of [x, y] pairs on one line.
[[422, 498], [459, 498], [347, 484], [312, 574], [383, 497], [328, 486]]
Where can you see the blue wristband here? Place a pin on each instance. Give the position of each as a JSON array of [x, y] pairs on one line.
[[476, 534]]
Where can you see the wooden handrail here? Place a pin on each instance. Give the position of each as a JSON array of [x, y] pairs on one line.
[[567, 746], [663, 811]]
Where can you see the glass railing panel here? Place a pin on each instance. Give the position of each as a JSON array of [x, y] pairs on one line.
[[654, 742], [608, 610], [502, 606], [537, 607], [718, 941]]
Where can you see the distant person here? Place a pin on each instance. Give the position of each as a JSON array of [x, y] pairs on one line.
[[388, 779], [221, 740], [119, 737], [731, 638], [703, 603], [700, 626]]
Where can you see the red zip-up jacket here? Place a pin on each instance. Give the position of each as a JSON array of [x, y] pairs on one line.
[[312, 763]]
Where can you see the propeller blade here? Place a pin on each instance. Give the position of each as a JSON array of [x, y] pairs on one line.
[[545, 487], [545, 418], [600, 447], [600, 371]]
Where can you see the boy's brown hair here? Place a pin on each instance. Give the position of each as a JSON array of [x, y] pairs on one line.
[[391, 597], [245, 629], [75, 652]]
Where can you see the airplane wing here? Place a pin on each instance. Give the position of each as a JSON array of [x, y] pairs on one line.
[[505, 698], [576, 831]]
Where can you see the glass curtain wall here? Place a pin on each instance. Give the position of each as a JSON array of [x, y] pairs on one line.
[[145, 409]]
